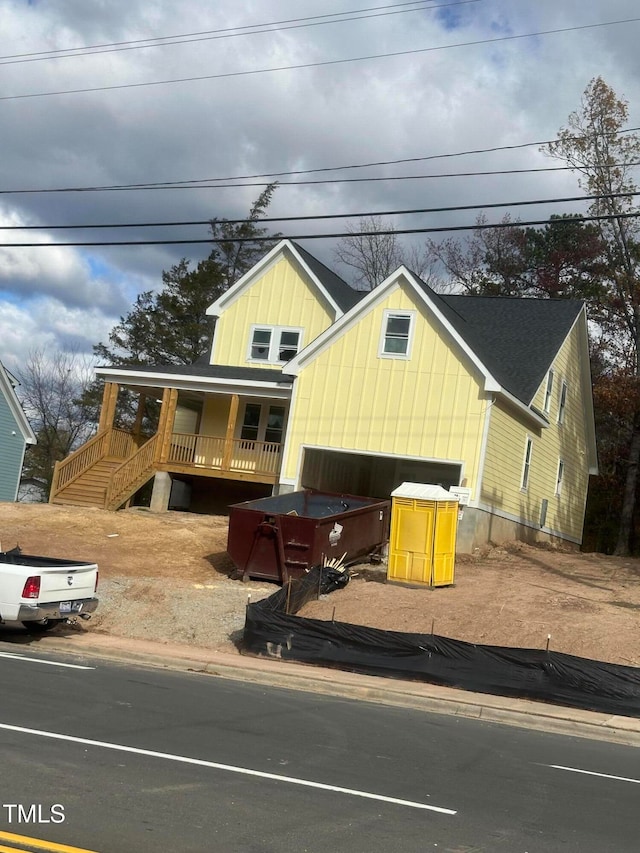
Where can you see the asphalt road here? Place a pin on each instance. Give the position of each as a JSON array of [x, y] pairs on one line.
[[139, 760]]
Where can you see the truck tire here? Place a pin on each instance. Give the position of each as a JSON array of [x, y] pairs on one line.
[[41, 627]]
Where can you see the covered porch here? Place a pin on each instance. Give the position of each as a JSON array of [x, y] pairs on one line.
[[207, 427]]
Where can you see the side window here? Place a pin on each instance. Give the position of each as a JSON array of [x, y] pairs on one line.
[[261, 344], [559, 477], [396, 334], [548, 392], [527, 463], [562, 403]]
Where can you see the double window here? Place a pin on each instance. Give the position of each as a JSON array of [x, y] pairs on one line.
[[274, 344], [262, 422], [397, 334]]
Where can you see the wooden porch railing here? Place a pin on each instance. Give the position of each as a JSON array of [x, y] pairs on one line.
[[217, 453], [132, 474]]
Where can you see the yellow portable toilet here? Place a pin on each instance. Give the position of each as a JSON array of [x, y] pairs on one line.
[[422, 546]]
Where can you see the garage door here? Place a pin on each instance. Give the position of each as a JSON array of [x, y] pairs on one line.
[[371, 476]]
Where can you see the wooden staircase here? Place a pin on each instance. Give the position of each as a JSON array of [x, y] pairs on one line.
[[105, 472], [90, 487]]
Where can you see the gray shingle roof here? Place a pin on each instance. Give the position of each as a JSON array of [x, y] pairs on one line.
[[515, 338], [343, 294]]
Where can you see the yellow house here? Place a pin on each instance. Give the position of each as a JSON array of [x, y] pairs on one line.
[[311, 384]]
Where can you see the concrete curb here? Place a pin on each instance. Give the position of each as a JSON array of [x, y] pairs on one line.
[[348, 685]]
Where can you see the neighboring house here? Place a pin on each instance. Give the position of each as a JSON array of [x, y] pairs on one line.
[[312, 384], [15, 434]]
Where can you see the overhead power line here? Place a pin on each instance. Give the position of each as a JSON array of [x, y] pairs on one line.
[[322, 216], [185, 184], [231, 32], [270, 239], [321, 64], [222, 186]]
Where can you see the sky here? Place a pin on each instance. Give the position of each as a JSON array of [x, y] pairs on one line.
[[185, 91]]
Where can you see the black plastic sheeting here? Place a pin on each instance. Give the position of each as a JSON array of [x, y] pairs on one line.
[[273, 629]]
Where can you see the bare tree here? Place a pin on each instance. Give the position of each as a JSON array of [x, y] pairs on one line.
[[51, 387], [371, 249]]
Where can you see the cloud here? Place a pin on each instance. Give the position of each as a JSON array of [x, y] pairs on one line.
[[440, 101]]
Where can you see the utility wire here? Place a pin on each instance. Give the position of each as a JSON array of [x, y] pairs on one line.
[[271, 239], [322, 216], [230, 32], [184, 184], [71, 51], [306, 65], [218, 186]]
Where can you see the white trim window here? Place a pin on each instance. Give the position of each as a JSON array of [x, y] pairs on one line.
[[559, 477], [262, 422], [562, 402], [526, 467], [397, 334], [548, 393], [274, 344]]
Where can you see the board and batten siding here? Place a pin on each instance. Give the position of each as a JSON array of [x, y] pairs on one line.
[[504, 461], [429, 406], [12, 447], [283, 296]]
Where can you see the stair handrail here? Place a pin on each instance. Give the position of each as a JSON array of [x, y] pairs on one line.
[[126, 476], [73, 466]]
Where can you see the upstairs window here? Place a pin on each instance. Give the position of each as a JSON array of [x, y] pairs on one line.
[[274, 344], [562, 403], [397, 331], [548, 392]]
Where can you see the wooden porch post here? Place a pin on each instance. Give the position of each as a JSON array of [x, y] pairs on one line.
[[108, 410], [137, 427], [231, 429], [167, 415]]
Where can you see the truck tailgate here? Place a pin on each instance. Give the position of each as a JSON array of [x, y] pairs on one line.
[[67, 582]]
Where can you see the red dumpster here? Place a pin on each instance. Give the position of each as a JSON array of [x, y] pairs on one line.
[[282, 536]]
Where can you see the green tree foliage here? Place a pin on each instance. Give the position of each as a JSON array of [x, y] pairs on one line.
[[170, 326], [564, 259]]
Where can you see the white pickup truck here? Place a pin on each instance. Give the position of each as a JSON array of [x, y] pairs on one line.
[[41, 592]]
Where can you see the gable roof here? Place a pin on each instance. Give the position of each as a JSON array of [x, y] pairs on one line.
[[7, 388], [511, 341], [336, 292], [343, 294]]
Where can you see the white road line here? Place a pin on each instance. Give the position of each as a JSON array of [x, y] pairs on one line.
[[593, 773], [40, 660], [229, 768]]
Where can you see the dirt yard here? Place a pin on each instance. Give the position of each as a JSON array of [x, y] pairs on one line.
[[166, 577]]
